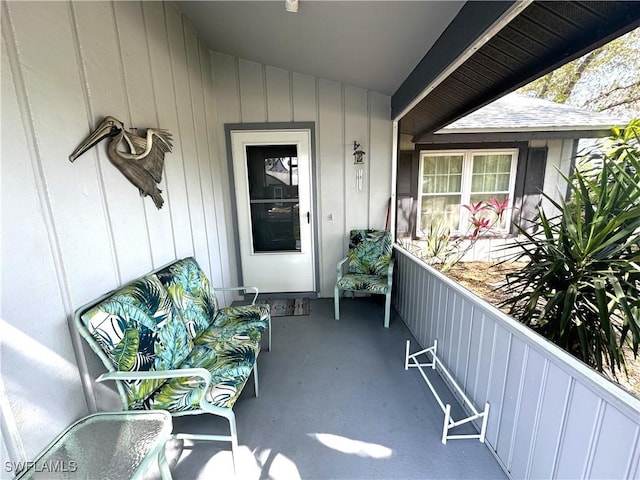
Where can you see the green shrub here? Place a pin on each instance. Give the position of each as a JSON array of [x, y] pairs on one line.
[[581, 284]]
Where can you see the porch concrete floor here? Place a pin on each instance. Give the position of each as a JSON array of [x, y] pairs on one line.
[[335, 403]]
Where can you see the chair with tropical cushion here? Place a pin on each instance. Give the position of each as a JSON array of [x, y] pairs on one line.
[[169, 346], [369, 268]]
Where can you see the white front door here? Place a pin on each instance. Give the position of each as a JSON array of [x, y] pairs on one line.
[[272, 176]]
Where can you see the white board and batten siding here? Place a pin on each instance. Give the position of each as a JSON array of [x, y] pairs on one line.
[[250, 92], [551, 416], [73, 231], [560, 162]]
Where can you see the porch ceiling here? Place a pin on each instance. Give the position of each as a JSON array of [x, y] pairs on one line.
[[407, 48], [369, 44]]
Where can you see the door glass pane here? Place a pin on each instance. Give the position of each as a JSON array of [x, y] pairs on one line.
[[275, 227], [273, 196]]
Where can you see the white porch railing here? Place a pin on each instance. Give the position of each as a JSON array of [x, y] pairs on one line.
[[551, 415]]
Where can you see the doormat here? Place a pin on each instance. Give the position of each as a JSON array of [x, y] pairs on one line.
[[286, 307]]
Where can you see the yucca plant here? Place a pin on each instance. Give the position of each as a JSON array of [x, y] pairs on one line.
[[580, 287], [437, 237]]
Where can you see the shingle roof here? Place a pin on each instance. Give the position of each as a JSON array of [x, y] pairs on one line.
[[519, 113]]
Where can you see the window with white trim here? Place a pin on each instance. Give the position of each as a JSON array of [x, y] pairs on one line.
[[453, 178]]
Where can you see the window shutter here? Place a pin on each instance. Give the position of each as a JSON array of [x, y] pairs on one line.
[[529, 184], [406, 193]]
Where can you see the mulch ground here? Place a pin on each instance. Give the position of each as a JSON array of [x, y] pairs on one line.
[[483, 278]]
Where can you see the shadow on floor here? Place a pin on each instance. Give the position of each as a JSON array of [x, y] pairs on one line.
[[335, 402]]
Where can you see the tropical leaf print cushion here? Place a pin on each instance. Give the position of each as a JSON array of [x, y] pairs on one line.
[[369, 252], [370, 283], [230, 361], [243, 318], [192, 294], [139, 330]]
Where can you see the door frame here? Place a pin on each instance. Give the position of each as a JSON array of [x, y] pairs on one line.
[[311, 126]]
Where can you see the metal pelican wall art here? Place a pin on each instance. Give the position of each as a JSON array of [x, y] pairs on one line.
[[142, 165]]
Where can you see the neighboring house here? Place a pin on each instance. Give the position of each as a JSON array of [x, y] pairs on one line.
[[513, 149]]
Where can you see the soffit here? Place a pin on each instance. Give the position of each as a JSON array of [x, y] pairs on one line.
[[541, 38]]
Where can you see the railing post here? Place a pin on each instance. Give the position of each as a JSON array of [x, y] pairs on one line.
[[406, 356]]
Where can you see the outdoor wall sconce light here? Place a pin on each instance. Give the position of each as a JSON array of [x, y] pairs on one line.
[[358, 159], [358, 154]]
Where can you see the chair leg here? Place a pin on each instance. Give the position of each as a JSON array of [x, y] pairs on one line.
[[255, 377], [234, 443], [163, 465], [232, 437], [336, 303], [387, 310]]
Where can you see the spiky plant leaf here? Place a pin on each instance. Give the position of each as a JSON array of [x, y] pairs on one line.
[[580, 287]]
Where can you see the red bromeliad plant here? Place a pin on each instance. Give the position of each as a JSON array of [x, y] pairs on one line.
[[480, 223], [498, 206], [476, 208]]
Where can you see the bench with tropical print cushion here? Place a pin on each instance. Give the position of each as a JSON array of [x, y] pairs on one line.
[[169, 346]]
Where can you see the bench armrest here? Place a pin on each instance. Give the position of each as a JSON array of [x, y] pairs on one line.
[[340, 266], [390, 272], [202, 373], [150, 375], [252, 289]]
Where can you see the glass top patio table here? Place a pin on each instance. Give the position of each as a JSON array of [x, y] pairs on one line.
[[108, 445]]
